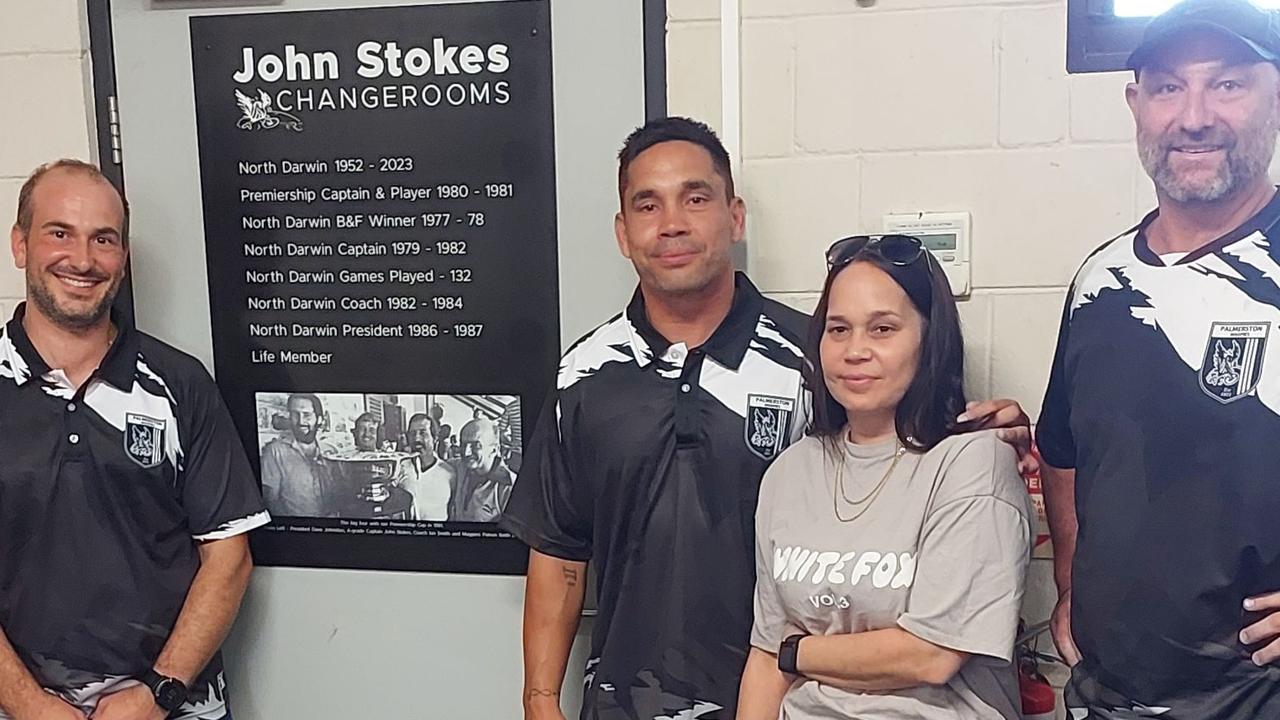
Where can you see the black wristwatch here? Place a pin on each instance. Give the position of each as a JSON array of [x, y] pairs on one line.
[[789, 653], [170, 693]]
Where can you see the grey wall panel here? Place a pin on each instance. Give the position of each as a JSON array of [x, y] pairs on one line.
[[343, 644]]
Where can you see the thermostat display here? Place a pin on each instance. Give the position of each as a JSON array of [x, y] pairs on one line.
[[946, 235]]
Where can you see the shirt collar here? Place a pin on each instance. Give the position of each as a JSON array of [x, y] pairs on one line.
[[1264, 221], [117, 367], [727, 345], [417, 462]]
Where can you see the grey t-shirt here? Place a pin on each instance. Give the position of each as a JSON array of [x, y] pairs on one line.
[[941, 552]]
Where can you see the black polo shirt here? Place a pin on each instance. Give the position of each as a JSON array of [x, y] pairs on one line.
[[104, 493], [1165, 398], [647, 462]]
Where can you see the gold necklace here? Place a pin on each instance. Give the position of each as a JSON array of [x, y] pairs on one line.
[[865, 503]]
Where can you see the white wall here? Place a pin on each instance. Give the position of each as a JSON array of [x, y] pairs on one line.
[[44, 80], [850, 112], [855, 108]]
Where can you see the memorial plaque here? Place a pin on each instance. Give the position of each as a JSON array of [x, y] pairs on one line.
[[380, 234]]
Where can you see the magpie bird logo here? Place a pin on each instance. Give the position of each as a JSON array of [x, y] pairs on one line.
[[1226, 364], [261, 114]]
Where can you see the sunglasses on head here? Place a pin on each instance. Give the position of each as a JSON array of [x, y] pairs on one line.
[[899, 250]]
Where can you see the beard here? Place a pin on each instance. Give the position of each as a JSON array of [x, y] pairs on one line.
[[45, 301], [305, 436], [1247, 157]]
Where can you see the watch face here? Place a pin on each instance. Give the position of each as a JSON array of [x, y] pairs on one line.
[[170, 695]]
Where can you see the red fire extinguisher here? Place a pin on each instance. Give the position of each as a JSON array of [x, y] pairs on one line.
[[1038, 699]]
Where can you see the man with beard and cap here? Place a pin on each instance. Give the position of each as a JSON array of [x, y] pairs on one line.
[[296, 481], [1162, 412], [428, 478], [484, 482], [125, 494]]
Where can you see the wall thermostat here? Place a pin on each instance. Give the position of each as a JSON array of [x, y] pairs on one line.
[[946, 235]]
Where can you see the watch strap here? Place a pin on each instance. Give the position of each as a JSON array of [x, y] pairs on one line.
[[170, 693], [789, 653]]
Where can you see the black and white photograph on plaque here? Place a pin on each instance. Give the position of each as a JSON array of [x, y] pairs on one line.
[[419, 457]]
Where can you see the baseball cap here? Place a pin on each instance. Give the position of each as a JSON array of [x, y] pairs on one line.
[[1240, 20]]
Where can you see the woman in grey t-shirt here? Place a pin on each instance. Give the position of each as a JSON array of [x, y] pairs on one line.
[[891, 547]]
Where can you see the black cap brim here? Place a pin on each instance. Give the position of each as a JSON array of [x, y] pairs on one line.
[[1142, 55]]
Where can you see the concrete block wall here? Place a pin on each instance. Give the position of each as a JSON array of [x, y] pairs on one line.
[[45, 80], [856, 108]]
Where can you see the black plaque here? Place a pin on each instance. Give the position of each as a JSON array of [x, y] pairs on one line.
[[379, 214]]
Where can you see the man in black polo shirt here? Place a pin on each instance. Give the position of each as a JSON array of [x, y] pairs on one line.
[[124, 491], [648, 456], [1161, 423]]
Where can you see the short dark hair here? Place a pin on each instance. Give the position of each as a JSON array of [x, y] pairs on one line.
[[26, 203], [668, 129], [425, 420], [316, 405], [927, 412]]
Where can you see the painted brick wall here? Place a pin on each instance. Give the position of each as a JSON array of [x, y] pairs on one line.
[[44, 79]]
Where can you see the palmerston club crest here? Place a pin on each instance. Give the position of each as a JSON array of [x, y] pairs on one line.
[[1232, 362], [768, 424], [144, 439]]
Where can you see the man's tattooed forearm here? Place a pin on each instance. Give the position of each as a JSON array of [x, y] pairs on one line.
[[541, 692]]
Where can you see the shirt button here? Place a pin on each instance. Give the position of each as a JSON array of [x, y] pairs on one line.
[[74, 438], [684, 388], [71, 407]]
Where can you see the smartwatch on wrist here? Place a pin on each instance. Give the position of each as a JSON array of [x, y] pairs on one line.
[[789, 653], [170, 693]]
